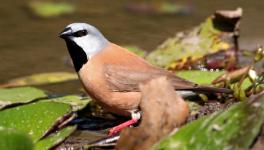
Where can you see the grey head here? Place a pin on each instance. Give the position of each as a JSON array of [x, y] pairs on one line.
[[83, 42]]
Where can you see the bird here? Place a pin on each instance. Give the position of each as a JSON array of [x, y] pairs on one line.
[[111, 74]]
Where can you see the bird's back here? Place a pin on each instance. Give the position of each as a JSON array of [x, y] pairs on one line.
[[127, 69]]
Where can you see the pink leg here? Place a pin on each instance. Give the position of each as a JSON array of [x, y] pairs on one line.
[[118, 128]]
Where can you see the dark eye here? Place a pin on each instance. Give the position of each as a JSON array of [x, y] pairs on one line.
[[80, 33]]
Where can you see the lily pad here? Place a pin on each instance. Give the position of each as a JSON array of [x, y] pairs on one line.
[[234, 128], [200, 77], [10, 139], [41, 79], [36, 119], [50, 9], [77, 102], [215, 34], [54, 139], [19, 95]]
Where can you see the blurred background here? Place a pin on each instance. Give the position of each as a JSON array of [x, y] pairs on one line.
[[29, 43]]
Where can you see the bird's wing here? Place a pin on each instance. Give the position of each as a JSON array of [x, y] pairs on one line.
[[123, 79], [135, 70]]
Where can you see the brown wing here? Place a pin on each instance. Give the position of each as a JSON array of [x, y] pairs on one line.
[[123, 79], [135, 70]]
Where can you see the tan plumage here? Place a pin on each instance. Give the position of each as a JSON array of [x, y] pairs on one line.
[[113, 76]]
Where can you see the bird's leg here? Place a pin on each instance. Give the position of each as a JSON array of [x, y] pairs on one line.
[[135, 116]]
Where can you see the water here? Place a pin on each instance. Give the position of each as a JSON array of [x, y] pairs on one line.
[[31, 45]]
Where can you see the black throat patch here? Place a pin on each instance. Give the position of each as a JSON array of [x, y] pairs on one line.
[[78, 55]]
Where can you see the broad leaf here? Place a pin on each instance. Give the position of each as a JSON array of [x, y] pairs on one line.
[[234, 128], [54, 139], [19, 95], [11, 139], [200, 77], [75, 101], [41, 79], [36, 119], [215, 34], [50, 9]]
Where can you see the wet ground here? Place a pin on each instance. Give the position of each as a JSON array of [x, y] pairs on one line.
[[30, 45]]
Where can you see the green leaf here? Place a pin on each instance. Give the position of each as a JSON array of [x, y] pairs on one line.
[[19, 95], [54, 138], [158, 7], [187, 47], [36, 119], [240, 90], [41, 79], [50, 9], [234, 128], [200, 77], [75, 101], [172, 8], [10, 139]]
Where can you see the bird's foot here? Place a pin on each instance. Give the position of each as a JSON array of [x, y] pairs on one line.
[[118, 128], [135, 117]]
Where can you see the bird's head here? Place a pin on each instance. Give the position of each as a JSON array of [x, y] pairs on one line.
[[83, 42]]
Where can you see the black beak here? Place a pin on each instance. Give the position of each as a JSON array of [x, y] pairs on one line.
[[66, 33]]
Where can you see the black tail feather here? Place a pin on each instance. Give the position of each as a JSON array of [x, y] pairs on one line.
[[208, 89]]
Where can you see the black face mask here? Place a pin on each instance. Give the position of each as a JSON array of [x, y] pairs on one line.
[[77, 54]]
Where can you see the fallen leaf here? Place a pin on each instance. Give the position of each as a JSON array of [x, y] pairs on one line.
[[158, 119], [232, 76], [215, 34]]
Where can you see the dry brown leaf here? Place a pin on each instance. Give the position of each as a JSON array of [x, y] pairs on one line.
[[163, 111]]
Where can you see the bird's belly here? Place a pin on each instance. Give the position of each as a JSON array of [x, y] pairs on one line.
[[116, 102]]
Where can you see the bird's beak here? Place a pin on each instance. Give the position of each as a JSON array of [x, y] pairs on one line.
[[65, 33]]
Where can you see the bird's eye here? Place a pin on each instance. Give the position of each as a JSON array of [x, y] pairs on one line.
[[80, 33]]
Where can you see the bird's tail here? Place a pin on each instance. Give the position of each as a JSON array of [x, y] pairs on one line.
[[208, 89]]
